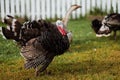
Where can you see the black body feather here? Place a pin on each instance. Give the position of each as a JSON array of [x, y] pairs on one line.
[[48, 41], [40, 42]]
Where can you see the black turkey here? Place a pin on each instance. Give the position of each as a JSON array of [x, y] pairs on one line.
[[110, 23], [40, 40]]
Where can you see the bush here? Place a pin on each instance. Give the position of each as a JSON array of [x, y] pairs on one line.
[[97, 11]]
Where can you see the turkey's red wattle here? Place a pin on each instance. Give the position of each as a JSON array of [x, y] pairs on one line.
[[61, 30]]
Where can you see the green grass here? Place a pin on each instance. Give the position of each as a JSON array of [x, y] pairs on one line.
[[88, 58]]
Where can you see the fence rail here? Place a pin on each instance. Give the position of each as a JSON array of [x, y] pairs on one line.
[[36, 9]]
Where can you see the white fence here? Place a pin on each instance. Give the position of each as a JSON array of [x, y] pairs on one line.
[[36, 9]]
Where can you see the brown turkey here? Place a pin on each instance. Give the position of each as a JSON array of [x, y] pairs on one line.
[[40, 40]]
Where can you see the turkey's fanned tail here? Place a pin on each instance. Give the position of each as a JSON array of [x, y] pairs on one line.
[[41, 60], [35, 62]]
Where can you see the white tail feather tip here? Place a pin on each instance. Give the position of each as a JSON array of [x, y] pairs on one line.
[[0, 30], [1, 33], [99, 35]]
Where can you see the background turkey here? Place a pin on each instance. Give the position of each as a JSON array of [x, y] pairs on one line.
[[110, 23], [40, 40]]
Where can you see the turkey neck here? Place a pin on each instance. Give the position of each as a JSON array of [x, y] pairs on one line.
[[69, 12]]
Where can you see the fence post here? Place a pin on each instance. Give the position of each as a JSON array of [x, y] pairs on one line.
[[98, 4], [43, 9], [88, 7], [33, 9], [73, 13], [38, 9], [118, 6], [17, 2], [48, 9], [27, 8], [22, 8], [58, 8], [2, 9], [63, 11], [53, 11], [12, 5], [7, 8], [83, 7], [78, 10], [108, 5], [114, 3]]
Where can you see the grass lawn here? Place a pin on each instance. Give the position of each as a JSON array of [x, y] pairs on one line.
[[88, 58]]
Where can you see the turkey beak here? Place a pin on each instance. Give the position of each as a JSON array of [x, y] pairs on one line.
[[79, 7], [76, 6]]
